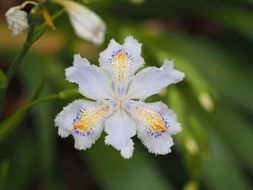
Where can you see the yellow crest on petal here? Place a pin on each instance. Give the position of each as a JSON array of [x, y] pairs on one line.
[[91, 117], [120, 65], [151, 119]]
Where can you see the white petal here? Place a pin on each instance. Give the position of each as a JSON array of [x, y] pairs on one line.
[[93, 82], [86, 23], [151, 80], [120, 127], [156, 124], [127, 151], [17, 20], [84, 120], [63, 132], [121, 61]]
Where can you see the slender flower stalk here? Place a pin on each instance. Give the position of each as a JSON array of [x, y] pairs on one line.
[[8, 124], [118, 107], [33, 35], [12, 70]]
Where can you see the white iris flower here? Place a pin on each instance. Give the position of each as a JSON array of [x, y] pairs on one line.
[[118, 106]]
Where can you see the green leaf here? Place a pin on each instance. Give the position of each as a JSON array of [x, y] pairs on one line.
[[16, 118], [43, 116], [237, 18], [4, 167], [221, 68], [45, 133], [114, 172], [39, 89], [221, 171], [191, 140], [23, 163], [3, 79], [202, 90], [236, 132], [9, 124]]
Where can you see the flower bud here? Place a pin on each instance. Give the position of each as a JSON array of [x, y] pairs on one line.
[[17, 20], [86, 23]]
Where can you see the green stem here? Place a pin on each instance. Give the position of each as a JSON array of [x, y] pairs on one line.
[[12, 70], [41, 100], [33, 35], [11, 123], [14, 66], [55, 16]]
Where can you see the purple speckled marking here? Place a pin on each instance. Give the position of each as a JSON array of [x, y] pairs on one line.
[[76, 131], [154, 134], [76, 119], [160, 133], [80, 133], [115, 53]]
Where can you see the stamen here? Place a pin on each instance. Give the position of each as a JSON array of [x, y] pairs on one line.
[[48, 18]]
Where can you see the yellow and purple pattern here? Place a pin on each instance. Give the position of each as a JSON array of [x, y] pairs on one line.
[[151, 119], [120, 65], [90, 117]]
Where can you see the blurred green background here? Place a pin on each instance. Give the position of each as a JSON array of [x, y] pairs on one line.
[[211, 41]]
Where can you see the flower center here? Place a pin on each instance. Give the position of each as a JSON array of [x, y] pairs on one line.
[[118, 103]]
